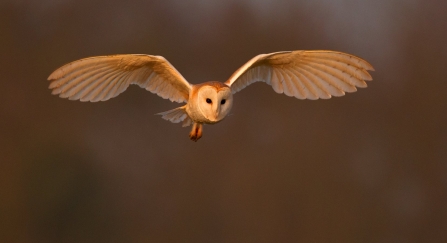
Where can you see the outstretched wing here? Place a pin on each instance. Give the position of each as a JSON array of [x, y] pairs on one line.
[[104, 77], [304, 74]]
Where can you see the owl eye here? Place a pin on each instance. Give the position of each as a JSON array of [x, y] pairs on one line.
[[208, 100], [222, 101]]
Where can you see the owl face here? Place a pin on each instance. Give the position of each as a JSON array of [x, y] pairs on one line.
[[214, 103]]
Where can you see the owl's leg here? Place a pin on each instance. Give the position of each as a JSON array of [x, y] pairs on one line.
[[196, 132]]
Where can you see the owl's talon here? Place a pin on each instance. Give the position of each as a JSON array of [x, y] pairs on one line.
[[196, 132], [194, 137]]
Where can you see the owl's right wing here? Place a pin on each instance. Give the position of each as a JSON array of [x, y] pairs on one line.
[[304, 74], [103, 77]]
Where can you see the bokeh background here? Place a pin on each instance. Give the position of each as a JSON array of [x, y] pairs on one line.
[[368, 167]]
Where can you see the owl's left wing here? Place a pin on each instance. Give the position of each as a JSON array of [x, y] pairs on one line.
[[304, 74]]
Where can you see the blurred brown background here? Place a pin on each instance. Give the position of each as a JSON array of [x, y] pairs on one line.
[[367, 167]]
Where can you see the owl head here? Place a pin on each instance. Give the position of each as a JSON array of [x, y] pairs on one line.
[[214, 101]]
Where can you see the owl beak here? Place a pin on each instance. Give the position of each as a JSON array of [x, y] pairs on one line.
[[216, 113]]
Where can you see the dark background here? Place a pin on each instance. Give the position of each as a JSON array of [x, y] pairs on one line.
[[367, 167]]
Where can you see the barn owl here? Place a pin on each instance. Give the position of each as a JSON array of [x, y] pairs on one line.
[[301, 74]]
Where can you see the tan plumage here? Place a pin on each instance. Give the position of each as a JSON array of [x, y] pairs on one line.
[[302, 74]]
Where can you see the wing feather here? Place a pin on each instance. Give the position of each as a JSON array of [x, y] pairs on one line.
[[343, 76], [352, 70], [99, 86], [340, 57], [325, 75], [164, 90], [320, 87], [73, 76], [333, 86], [298, 87], [304, 74], [308, 88], [76, 87], [146, 82], [289, 86], [114, 87], [152, 82], [100, 93], [277, 84], [104, 77], [84, 94], [160, 87]]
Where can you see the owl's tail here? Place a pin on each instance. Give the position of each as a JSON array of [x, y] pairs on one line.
[[177, 115]]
